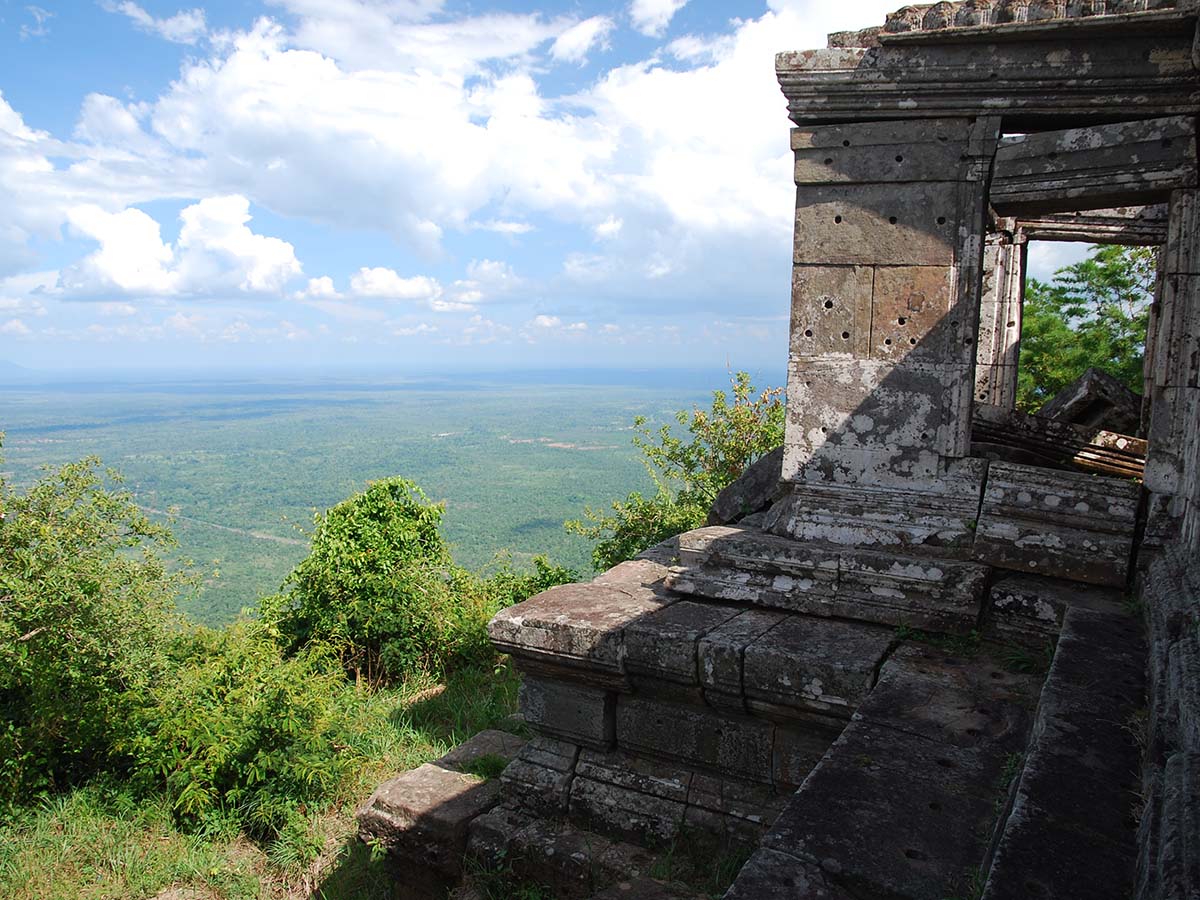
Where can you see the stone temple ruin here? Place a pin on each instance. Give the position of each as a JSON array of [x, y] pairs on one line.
[[797, 689]]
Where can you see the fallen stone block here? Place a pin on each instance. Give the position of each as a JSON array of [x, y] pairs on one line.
[[753, 491], [574, 713], [1098, 400]]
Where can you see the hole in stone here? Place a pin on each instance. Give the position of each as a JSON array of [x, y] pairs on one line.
[[829, 304], [824, 430], [996, 675], [924, 435], [915, 854], [892, 219], [837, 219], [1052, 155], [901, 320], [968, 341], [943, 138], [945, 763], [1012, 325], [845, 335], [888, 342], [993, 75], [829, 160], [899, 159], [845, 143], [935, 806], [808, 332], [1166, 142], [973, 732], [913, 341], [941, 220]]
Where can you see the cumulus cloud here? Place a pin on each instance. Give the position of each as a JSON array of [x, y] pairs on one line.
[[574, 44], [651, 17], [185, 27], [387, 284], [15, 327], [216, 251], [545, 321]]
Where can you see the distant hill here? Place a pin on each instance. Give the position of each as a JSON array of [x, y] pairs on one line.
[[10, 372]]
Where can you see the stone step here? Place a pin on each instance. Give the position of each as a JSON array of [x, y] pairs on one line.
[[904, 802], [420, 818], [1071, 830], [748, 565], [647, 801]]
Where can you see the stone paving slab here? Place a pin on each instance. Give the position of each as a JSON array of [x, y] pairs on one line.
[[903, 802], [1072, 829], [772, 875]]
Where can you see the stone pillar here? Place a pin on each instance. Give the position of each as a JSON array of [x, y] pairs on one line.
[[1173, 462], [1000, 319], [885, 301]]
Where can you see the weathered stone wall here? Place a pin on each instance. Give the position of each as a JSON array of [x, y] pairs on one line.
[[1169, 864]]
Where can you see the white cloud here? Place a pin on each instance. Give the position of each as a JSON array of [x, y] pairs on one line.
[[15, 327], [387, 284], [216, 251], [414, 330], [117, 309], [319, 289], [609, 228], [546, 321], [574, 44], [185, 27], [40, 27], [651, 17]]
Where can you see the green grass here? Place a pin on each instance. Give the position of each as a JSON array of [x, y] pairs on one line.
[[100, 842]]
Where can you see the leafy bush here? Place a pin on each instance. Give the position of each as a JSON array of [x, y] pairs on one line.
[[85, 614], [1093, 314], [238, 735], [379, 587], [687, 474]]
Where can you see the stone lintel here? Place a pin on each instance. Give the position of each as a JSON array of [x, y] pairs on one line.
[[1132, 226], [1118, 164], [1112, 63]]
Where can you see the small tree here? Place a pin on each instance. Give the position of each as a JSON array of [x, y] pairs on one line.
[[687, 473], [86, 605], [1092, 315]]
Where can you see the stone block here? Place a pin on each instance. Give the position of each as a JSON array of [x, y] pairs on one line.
[[646, 889], [913, 316], [753, 491], [734, 745], [570, 712], [872, 420], [807, 665], [879, 152], [1059, 524], [1028, 609], [621, 812], [906, 224], [539, 779], [831, 310], [422, 816], [722, 650], [579, 625], [663, 643], [1097, 400]]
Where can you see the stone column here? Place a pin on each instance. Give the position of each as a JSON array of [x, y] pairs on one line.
[[1173, 462], [1000, 319], [885, 303]]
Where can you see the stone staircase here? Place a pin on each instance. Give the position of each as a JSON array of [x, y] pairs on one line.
[[702, 706]]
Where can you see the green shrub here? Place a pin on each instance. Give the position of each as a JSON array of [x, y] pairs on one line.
[[240, 736], [85, 614], [380, 588], [687, 474]]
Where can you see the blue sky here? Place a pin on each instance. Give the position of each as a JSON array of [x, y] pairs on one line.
[[412, 183]]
